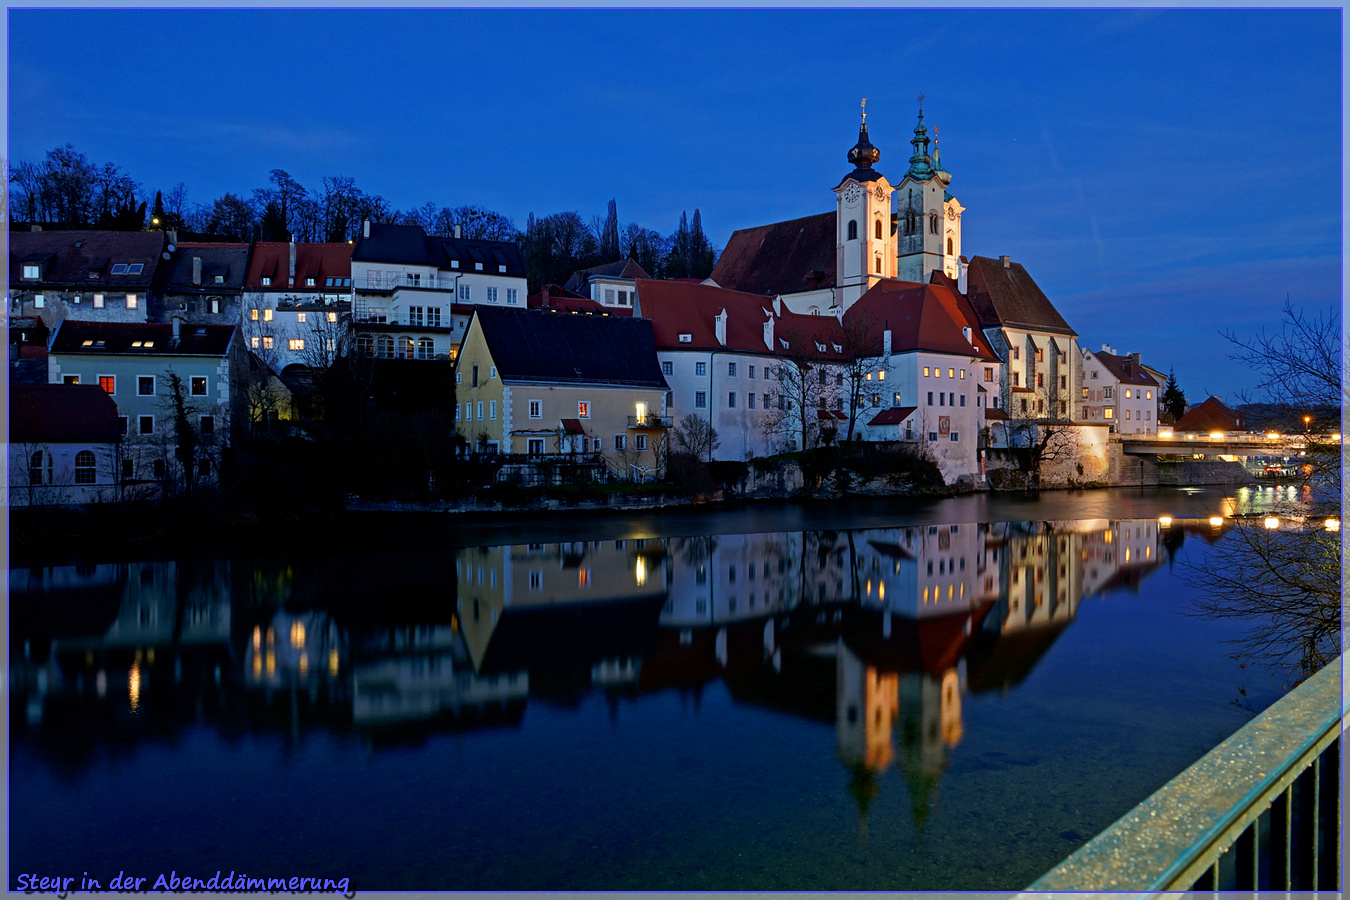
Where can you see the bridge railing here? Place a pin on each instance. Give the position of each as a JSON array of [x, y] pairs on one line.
[[1261, 811]]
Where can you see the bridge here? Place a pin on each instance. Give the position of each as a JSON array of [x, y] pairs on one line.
[[1230, 443]]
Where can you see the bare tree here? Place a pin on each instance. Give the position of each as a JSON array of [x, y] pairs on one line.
[[1287, 580], [792, 421], [696, 436]]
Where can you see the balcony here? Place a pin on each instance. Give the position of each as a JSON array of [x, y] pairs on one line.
[[650, 421]]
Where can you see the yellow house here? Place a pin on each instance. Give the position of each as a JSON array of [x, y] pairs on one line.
[[540, 384]]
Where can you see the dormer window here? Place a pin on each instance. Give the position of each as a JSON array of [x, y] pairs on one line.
[[267, 280], [454, 264], [686, 338], [220, 279], [501, 268], [309, 282], [31, 271], [478, 266]]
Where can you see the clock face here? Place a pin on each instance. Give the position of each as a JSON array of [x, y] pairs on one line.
[[951, 213], [852, 195], [879, 193]]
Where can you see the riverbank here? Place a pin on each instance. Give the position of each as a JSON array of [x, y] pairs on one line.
[[209, 529]]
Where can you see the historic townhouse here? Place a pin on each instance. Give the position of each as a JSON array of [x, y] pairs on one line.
[[1120, 391], [99, 276], [297, 301], [200, 283], [543, 384], [413, 293], [929, 372], [136, 366], [63, 444], [613, 285]]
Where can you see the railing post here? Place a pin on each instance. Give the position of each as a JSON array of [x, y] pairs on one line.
[[1305, 828], [1247, 859], [1280, 834], [1329, 812]]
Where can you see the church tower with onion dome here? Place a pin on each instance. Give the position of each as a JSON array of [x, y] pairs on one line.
[[928, 217], [865, 241]]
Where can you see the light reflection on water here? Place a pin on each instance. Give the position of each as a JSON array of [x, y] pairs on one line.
[[923, 706]]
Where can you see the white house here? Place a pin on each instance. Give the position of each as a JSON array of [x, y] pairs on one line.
[[1120, 391], [413, 293], [62, 445]]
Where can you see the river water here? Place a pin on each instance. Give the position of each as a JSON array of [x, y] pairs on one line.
[[879, 695]]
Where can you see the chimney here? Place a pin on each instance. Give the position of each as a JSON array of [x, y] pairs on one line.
[[456, 231], [1135, 357], [961, 279], [365, 229], [292, 268], [196, 270], [177, 328], [1007, 263], [886, 339], [721, 328], [1106, 348]]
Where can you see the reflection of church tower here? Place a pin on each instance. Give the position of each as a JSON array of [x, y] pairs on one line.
[[929, 218], [865, 245]]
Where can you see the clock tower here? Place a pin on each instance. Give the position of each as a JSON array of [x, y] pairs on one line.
[[928, 221], [865, 245]]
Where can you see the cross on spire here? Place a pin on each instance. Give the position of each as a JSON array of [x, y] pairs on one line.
[[921, 96], [864, 109]]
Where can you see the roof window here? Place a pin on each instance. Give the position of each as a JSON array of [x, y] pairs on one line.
[[119, 268], [135, 268], [142, 345], [686, 339]]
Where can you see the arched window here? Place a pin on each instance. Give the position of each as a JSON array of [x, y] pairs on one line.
[[815, 311], [84, 467], [35, 467], [852, 230], [406, 347], [878, 264], [933, 223], [365, 345], [878, 229], [385, 347], [949, 246], [426, 348]]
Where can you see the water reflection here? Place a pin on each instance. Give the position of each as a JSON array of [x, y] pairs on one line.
[[879, 633]]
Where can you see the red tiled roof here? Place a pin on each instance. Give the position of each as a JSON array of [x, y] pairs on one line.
[[782, 258], [806, 336], [896, 415], [830, 414], [61, 414], [312, 260], [920, 316], [994, 415], [1211, 415], [677, 308]]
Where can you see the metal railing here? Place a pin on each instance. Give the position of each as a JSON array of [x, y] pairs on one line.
[[650, 421], [1261, 811]]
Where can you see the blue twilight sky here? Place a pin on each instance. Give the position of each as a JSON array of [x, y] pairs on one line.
[[1162, 174]]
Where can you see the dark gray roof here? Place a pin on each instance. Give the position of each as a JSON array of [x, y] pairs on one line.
[[624, 268], [410, 245], [541, 345], [85, 259], [117, 337], [228, 261]]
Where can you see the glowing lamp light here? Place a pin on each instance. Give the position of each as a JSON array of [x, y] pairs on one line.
[[1272, 522], [1336, 437], [1165, 521], [1333, 524], [641, 571], [1216, 435], [1273, 435], [1216, 520]]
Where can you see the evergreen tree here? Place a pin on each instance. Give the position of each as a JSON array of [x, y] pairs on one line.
[[609, 235], [1174, 401], [157, 211]]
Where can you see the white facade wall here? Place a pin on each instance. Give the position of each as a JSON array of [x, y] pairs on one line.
[[53, 481], [705, 376], [1127, 408]]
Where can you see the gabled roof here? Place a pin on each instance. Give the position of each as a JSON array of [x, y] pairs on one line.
[[1009, 297], [62, 414], [893, 416], [783, 258], [927, 317], [319, 261], [538, 345], [228, 261], [69, 257], [802, 336], [1124, 369], [102, 338], [410, 245], [682, 307], [557, 299], [624, 268], [1211, 415]]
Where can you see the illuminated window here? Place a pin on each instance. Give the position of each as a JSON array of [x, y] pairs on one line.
[[295, 344], [300, 318], [199, 385], [583, 410], [267, 315], [108, 383]]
